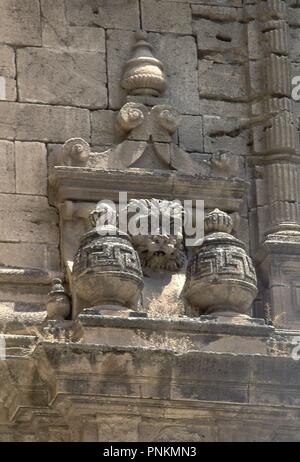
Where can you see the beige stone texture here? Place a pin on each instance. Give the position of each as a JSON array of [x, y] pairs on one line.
[[33, 122], [119, 45], [191, 134], [57, 33], [33, 255], [62, 77], [225, 39], [230, 135], [27, 218], [227, 3], [294, 41], [103, 128], [108, 14], [220, 3], [7, 62], [293, 14], [182, 87], [20, 22], [7, 167], [31, 168], [8, 72], [223, 108], [213, 75], [158, 16]]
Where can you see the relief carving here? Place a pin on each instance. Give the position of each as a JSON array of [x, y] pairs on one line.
[[75, 152], [162, 248]]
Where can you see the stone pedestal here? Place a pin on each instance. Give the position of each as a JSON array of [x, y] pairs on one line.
[[208, 333]]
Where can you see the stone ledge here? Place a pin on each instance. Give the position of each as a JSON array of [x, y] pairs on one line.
[[186, 324], [90, 184], [19, 345], [179, 336], [16, 275]]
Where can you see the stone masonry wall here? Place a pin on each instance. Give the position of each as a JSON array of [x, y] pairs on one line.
[[62, 62]]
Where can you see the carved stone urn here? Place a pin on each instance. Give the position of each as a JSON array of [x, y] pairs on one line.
[[220, 276], [107, 274], [58, 302]]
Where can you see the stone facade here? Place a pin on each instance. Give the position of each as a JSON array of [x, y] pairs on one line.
[[110, 336]]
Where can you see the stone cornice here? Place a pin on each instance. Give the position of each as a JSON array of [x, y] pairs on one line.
[[93, 185]]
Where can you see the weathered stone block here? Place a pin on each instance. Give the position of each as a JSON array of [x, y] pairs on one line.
[[20, 22], [53, 155], [228, 39], [191, 133], [166, 16], [225, 135], [179, 55], [255, 47], [223, 108], [119, 45], [30, 255], [228, 378], [256, 81], [227, 3], [216, 11], [27, 219], [8, 90], [56, 32], [103, 128], [8, 72], [62, 77], [294, 14], [7, 62], [223, 81], [284, 373], [7, 167], [31, 168], [33, 122], [226, 164], [117, 14]]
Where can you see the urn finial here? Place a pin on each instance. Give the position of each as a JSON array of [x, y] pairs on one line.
[[103, 215], [58, 302], [143, 73], [218, 221]]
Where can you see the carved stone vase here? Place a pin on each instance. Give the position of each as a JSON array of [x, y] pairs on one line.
[[58, 302], [107, 272], [220, 276]]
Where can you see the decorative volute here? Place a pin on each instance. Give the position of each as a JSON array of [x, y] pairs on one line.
[[220, 276], [143, 74]]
